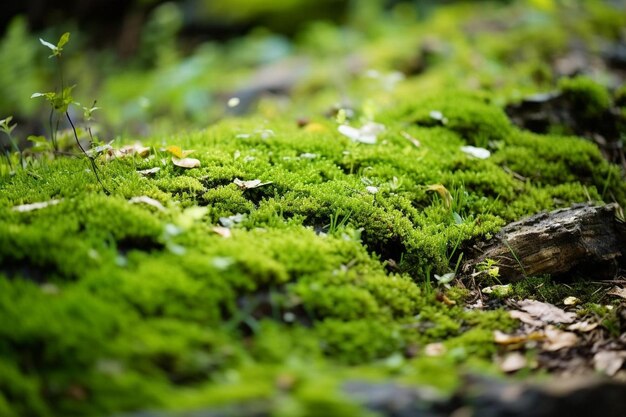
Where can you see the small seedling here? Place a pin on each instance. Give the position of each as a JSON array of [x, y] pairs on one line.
[[60, 103], [7, 128]]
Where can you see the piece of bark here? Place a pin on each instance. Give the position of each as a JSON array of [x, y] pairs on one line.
[[581, 239]]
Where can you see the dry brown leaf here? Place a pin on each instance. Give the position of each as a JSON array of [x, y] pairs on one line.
[[147, 200], [223, 231], [609, 362], [131, 150], [186, 162], [525, 318], [619, 292], [502, 338], [557, 339], [246, 185], [513, 361], [35, 206], [582, 326], [149, 172], [546, 312]]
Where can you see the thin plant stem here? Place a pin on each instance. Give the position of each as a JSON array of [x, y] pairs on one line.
[[91, 160], [52, 131]]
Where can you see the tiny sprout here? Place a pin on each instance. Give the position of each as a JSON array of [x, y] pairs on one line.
[[7, 128], [88, 111], [58, 48], [5, 125]]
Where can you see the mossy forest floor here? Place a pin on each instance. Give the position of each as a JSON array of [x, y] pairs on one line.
[[296, 255]]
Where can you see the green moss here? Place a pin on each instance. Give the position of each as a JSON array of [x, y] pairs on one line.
[[328, 272], [586, 96]]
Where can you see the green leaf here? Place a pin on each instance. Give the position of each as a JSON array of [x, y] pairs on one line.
[[48, 44], [65, 38]]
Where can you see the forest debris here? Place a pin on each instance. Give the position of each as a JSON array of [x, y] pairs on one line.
[[222, 231], [499, 290], [247, 185], [366, 134], [583, 238], [583, 326], [186, 163], [434, 349], [617, 291], [480, 153], [23, 208], [443, 193], [557, 339], [546, 312], [147, 200], [571, 301], [502, 338], [148, 172], [609, 362], [513, 361], [411, 139], [178, 152], [525, 318]]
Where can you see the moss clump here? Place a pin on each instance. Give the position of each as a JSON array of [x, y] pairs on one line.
[[326, 271], [586, 96]]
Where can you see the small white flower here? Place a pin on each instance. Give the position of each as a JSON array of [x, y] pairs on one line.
[[371, 189]]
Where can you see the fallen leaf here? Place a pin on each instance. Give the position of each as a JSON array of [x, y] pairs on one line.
[[525, 318], [502, 338], [571, 301], [557, 339], [480, 153], [619, 292], [131, 150], [582, 326], [230, 221], [149, 172], [434, 349], [35, 206], [443, 193], [147, 200], [222, 231], [186, 162], [366, 134], [546, 312], [513, 361], [246, 185], [411, 139], [178, 152], [445, 278], [315, 128], [608, 361], [437, 115], [499, 290]]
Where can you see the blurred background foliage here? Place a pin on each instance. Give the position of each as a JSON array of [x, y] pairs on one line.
[[158, 66]]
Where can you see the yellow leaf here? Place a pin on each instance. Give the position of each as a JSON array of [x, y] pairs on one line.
[[315, 128], [178, 152], [443, 193], [175, 150]]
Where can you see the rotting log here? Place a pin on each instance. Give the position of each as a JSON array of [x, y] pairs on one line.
[[581, 240]]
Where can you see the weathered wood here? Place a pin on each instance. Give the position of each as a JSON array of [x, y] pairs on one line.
[[583, 239]]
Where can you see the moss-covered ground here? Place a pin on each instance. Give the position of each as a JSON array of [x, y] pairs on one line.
[[213, 293]]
